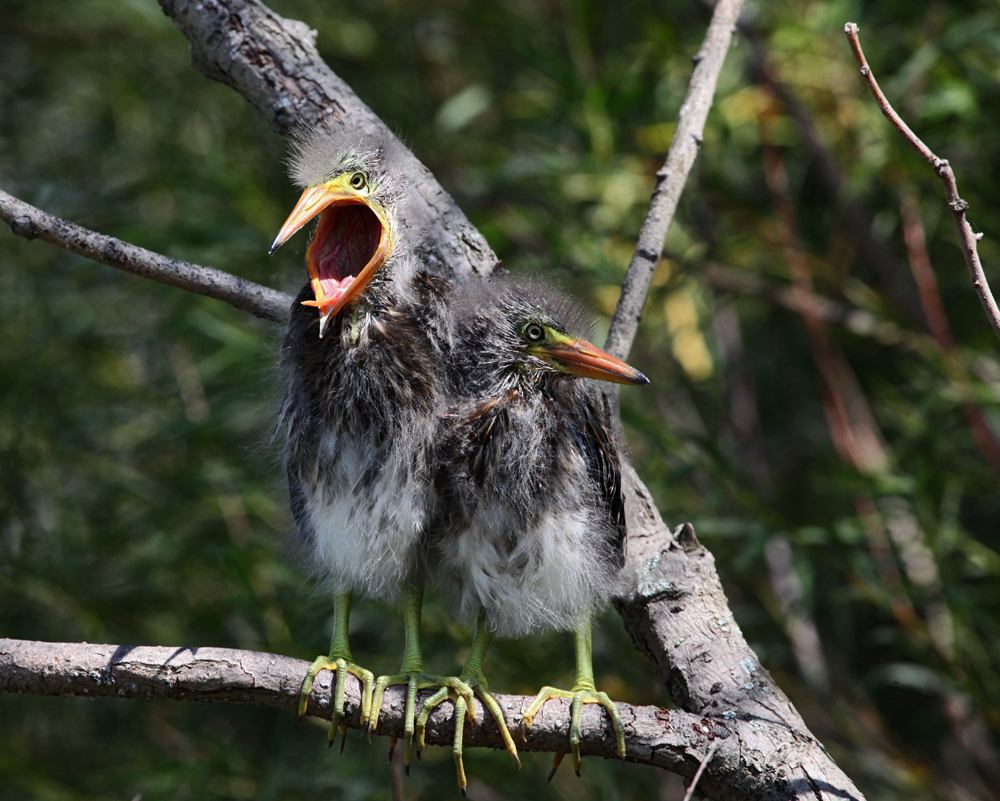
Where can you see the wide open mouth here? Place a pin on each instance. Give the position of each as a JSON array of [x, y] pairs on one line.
[[351, 242], [346, 241]]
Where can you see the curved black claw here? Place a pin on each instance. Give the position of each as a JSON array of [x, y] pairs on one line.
[[465, 710], [414, 682], [556, 762]]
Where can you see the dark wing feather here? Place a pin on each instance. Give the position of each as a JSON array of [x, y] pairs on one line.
[[604, 468], [487, 426]]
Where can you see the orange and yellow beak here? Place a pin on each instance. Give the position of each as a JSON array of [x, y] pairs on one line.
[[579, 357], [353, 239]]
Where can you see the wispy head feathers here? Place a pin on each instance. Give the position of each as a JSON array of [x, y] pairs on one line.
[[321, 153], [515, 300]]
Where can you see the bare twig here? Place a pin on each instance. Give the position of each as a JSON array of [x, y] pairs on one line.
[[852, 425], [672, 177], [942, 168], [32, 223], [701, 769]]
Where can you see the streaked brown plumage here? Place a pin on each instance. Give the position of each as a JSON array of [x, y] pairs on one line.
[[533, 528], [363, 388]]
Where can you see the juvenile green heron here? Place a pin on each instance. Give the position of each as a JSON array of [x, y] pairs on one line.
[[362, 366], [533, 533]]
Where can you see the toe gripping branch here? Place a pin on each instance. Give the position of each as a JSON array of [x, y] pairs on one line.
[[341, 667], [340, 662], [584, 692]]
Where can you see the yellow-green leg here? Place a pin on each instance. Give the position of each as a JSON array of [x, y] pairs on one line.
[[472, 674], [584, 692], [411, 673], [340, 662]]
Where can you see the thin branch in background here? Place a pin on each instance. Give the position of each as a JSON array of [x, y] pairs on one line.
[[32, 223], [832, 312], [744, 417], [915, 240], [671, 178], [930, 297], [701, 769], [942, 169], [880, 549], [397, 773]]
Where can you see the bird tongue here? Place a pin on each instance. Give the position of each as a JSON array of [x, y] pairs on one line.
[[329, 290], [346, 238]]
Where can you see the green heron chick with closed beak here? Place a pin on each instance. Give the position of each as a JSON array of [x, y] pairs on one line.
[[362, 366], [528, 464]]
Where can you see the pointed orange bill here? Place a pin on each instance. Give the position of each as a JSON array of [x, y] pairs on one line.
[[351, 242], [579, 357]]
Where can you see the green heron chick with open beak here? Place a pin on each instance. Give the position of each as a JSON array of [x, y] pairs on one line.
[[528, 464], [362, 365]]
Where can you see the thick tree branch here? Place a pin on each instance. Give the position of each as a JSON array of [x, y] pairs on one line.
[[672, 740], [677, 614], [672, 177], [32, 223], [675, 610], [967, 237]]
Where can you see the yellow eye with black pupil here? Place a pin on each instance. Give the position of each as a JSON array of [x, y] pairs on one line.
[[358, 180], [533, 332]]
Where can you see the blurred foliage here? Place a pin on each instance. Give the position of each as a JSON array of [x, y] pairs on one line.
[[141, 500]]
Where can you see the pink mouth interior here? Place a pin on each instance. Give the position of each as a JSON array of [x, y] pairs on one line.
[[346, 239]]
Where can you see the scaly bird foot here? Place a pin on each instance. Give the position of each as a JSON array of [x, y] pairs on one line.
[[579, 696], [463, 709], [341, 667], [414, 683]]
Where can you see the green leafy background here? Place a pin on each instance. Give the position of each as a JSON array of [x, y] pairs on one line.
[[141, 499]]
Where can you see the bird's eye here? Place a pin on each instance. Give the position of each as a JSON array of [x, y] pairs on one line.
[[533, 332], [358, 180]]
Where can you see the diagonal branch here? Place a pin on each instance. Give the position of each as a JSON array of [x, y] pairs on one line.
[[671, 178], [967, 237], [33, 223]]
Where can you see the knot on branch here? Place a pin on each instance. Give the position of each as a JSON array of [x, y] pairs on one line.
[[648, 254], [941, 166], [113, 252], [711, 728], [24, 226], [686, 539], [958, 205]]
